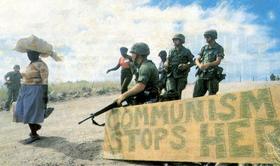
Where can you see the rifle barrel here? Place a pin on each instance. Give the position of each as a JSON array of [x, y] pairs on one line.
[[107, 108], [85, 119]]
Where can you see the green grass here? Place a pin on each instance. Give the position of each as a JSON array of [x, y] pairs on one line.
[[106, 86], [3, 93], [98, 88]]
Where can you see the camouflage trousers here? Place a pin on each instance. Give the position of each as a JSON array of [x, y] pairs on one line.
[[176, 85], [203, 85], [12, 97]]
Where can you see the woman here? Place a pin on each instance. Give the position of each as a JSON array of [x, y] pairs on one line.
[[33, 97], [127, 71]]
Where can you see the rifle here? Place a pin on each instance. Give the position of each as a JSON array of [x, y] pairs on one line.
[[93, 115], [108, 108]]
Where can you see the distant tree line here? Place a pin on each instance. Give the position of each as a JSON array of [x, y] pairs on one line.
[[274, 77]]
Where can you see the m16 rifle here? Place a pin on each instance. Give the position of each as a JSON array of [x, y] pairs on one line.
[[103, 110]]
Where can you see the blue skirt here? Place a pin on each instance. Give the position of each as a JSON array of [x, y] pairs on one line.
[[30, 105]]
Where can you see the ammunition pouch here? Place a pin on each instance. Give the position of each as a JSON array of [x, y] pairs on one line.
[[219, 74], [169, 95], [211, 73], [147, 96]]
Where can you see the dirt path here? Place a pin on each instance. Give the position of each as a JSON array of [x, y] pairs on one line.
[[64, 142]]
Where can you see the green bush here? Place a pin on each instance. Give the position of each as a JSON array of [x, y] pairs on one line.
[[3, 93], [69, 86], [96, 88]]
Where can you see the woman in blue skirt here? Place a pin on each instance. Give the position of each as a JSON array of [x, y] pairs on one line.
[[33, 97]]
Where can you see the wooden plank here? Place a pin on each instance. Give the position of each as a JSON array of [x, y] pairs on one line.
[[230, 127]]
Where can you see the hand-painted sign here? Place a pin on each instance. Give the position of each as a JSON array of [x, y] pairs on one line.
[[230, 127]]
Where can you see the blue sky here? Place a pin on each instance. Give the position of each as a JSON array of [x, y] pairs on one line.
[[267, 11], [88, 34]]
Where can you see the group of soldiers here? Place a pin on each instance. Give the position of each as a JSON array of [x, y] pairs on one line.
[[171, 77]]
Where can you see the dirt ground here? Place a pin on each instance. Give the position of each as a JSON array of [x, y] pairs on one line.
[[64, 142]]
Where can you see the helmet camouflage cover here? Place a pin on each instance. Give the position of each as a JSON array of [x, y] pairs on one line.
[[16, 67], [140, 49], [213, 33], [180, 37]]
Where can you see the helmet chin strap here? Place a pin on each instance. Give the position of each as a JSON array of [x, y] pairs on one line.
[[137, 59], [211, 42]]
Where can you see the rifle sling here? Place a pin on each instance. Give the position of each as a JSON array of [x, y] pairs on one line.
[[97, 124], [109, 107]]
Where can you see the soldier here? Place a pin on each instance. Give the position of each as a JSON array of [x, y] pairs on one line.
[[209, 73], [127, 69], [179, 62], [146, 88], [12, 80], [161, 70]]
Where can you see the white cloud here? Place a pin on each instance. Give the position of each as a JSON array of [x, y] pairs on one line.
[[94, 31]]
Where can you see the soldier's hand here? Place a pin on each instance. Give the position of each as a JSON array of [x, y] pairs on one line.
[[108, 71], [120, 99]]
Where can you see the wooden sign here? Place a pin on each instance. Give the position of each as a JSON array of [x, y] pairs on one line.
[[231, 127]]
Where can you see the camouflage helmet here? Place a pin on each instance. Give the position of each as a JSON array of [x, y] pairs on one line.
[[213, 33], [180, 37], [140, 49], [16, 67]]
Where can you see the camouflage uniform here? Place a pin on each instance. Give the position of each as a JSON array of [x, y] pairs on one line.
[[177, 79], [147, 75], [209, 78], [13, 87]]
